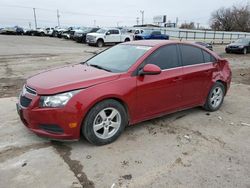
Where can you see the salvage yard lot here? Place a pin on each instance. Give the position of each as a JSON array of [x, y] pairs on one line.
[[191, 148]]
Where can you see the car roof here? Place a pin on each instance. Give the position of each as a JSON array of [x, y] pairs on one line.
[[158, 43]]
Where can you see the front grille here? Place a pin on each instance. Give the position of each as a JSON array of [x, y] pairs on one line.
[[233, 47], [51, 128], [24, 101]]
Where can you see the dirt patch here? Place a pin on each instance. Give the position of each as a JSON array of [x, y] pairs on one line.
[[74, 165], [242, 76], [17, 151], [10, 87]]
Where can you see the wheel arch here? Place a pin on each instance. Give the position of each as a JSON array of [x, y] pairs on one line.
[[116, 98]]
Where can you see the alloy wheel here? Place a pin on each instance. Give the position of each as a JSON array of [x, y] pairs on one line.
[[216, 97], [106, 123]]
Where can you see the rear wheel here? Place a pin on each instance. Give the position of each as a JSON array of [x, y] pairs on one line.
[[127, 40], [215, 97], [105, 122]]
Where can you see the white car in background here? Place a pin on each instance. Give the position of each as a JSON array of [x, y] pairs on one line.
[[49, 31], [107, 36]]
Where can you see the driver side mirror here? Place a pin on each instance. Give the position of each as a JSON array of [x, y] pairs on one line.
[[150, 69], [108, 33]]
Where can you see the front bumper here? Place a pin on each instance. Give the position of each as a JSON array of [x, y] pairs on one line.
[[54, 123], [235, 50], [91, 40]]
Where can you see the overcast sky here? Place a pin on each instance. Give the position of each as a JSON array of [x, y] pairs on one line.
[[107, 12]]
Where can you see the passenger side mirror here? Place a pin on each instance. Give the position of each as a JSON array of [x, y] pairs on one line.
[[108, 33], [150, 69]]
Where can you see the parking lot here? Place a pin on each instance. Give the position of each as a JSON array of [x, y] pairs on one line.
[[191, 148]]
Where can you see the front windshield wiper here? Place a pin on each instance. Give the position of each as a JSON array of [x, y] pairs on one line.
[[99, 67]]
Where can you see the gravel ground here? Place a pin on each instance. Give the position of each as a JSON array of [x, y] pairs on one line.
[[191, 148]]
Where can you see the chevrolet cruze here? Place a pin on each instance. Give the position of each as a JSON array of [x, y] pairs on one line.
[[124, 85]]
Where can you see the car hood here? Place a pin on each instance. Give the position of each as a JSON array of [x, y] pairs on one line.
[[95, 34], [69, 78]]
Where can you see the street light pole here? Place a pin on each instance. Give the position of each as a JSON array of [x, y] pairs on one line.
[[58, 18]]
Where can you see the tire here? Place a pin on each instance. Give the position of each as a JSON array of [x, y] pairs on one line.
[[215, 97], [42, 34], [32, 34], [244, 51], [107, 129], [127, 40], [100, 43]]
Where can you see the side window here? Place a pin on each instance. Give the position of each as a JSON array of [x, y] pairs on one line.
[[156, 33], [208, 57], [115, 32], [191, 55], [166, 57]]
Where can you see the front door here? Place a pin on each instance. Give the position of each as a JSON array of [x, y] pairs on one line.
[[160, 93]]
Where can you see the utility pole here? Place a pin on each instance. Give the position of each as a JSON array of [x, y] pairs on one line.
[[58, 18], [137, 21], [94, 23], [34, 10], [142, 16]]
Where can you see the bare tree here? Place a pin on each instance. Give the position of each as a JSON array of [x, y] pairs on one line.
[[190, 25], [236, 18]]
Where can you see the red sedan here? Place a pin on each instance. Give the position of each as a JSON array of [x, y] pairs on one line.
[[124, 85]]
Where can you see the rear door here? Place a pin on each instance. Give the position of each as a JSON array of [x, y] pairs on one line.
[[113, 37], [156, 35], [160, 93], [198, 69]]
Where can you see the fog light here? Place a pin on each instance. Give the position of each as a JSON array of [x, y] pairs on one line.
[[72, 125]]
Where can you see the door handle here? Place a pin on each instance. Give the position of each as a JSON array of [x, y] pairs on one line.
[[177, 79]]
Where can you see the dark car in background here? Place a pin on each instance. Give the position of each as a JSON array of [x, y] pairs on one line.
[[239, 46], [206, 45], [36, 32], [12, 30], [151, 34], [81, 36]]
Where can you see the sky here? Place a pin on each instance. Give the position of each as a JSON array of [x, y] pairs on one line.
[[107, 12]]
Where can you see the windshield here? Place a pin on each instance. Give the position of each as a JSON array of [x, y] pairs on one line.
[[101, 31], [242, 41], [118, 58]]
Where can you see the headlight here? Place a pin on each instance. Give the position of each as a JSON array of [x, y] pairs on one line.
[[241, 46], [58, 100]]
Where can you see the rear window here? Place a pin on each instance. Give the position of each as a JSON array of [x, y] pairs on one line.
[[208, 57]]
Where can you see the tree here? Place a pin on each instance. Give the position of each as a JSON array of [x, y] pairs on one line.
[[236, 18], [187, 25]]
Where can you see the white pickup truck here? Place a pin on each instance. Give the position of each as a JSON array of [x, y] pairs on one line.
[[107, 36]]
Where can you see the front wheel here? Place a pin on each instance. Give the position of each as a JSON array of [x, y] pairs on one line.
[[105, 122], [215, 97], [100, 43]]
